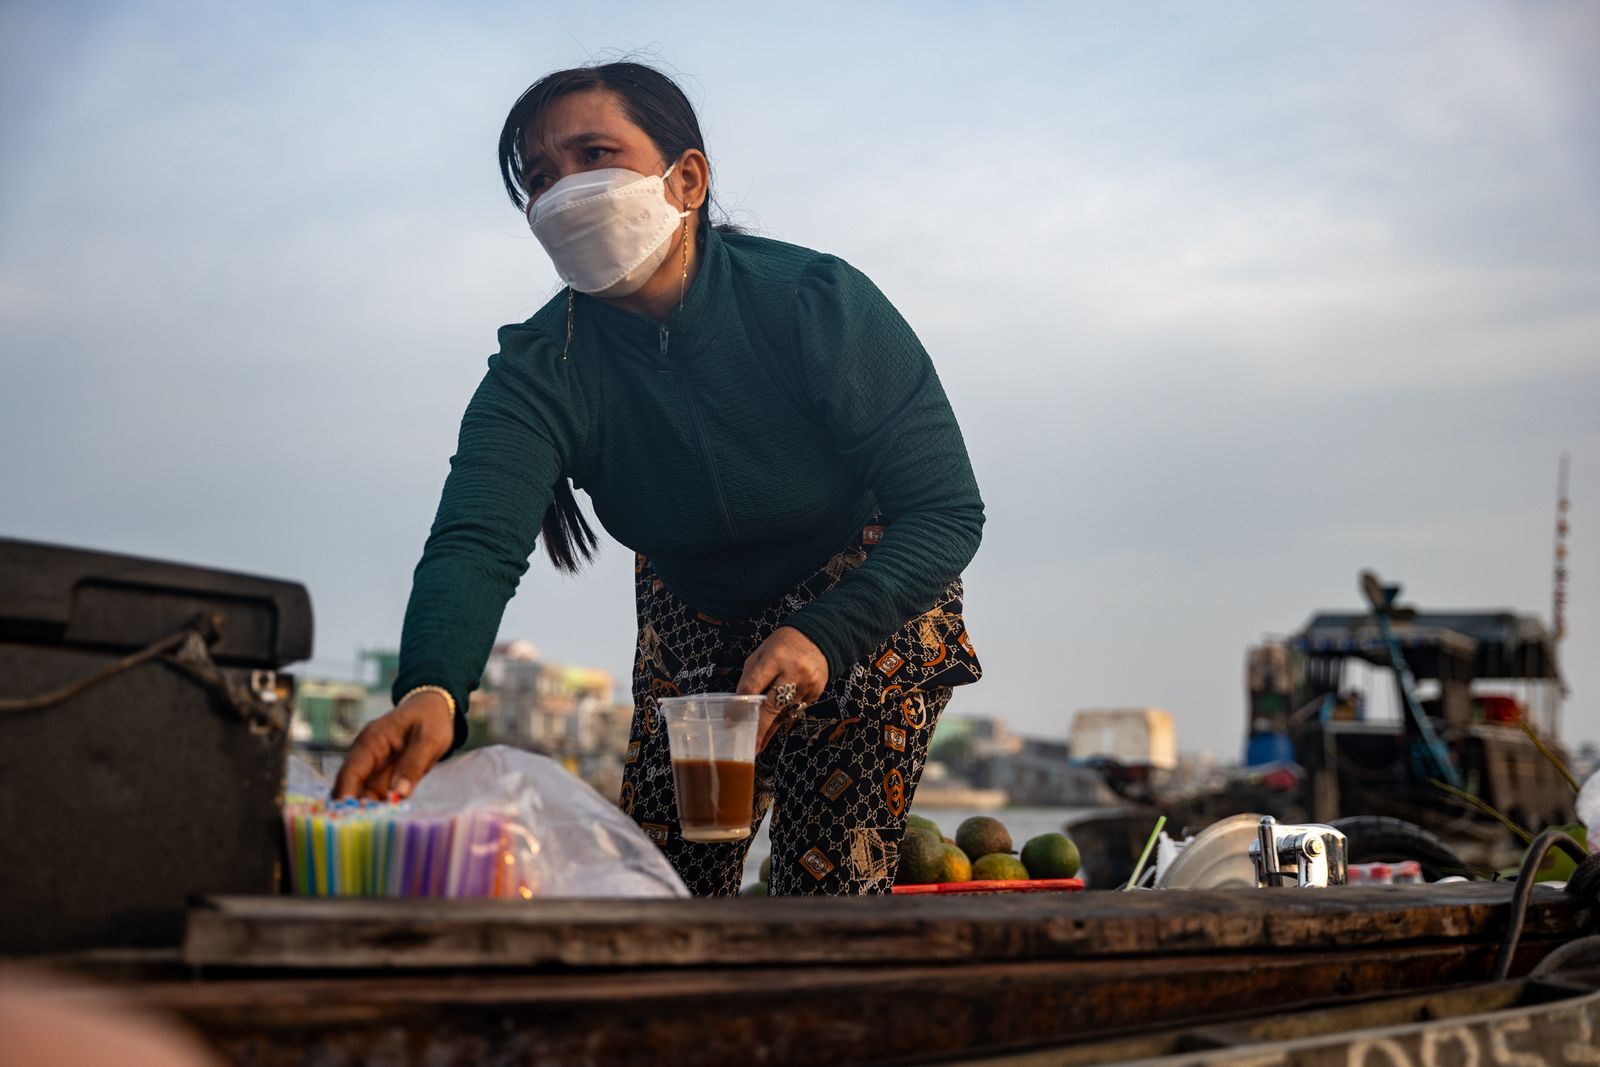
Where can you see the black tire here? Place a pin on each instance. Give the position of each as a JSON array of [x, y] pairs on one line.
[[1382, 839]]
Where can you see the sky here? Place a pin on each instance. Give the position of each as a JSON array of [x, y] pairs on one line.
[[1231, 300]]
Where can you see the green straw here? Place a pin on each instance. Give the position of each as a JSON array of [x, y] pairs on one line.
[[1149, 844]]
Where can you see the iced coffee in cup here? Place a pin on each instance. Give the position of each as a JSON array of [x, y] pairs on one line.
[[713, 741]]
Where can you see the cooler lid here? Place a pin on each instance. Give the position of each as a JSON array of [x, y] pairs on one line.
[[56, 595]]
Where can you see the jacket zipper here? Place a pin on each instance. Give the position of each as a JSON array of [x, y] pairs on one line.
[[700, 436]]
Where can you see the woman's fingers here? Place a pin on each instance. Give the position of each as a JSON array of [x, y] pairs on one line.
[[368, 757], [791, 668], [760, 672], [788, 656], [393, 752]]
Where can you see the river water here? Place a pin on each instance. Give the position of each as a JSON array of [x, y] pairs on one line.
[[1022, 822]]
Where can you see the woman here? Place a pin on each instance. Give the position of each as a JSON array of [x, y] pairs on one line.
[[759, 424]]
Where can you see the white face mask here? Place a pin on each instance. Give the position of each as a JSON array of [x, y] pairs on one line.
[[606, 230]]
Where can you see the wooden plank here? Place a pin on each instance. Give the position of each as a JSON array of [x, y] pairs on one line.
[[810, 1015], [273, 932], [1366, 1014], [1537, 1034]]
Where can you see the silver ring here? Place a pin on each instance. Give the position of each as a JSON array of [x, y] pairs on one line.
[[783, 695]]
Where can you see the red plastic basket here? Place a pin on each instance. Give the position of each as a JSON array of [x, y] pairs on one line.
[[1031, 885]]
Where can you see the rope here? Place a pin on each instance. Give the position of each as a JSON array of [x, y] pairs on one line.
[[1584, 883], [126, 663], [1526, 875], [1578, 955], [186, 651]]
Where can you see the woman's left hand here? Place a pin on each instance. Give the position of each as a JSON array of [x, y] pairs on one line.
[[788, 657]]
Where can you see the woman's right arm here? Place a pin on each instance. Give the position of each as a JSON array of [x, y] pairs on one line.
[[517, 437]]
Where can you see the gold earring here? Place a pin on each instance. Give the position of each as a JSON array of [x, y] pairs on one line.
[[683, 282]]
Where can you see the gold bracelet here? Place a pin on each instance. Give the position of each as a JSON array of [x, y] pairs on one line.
[[441, 690]]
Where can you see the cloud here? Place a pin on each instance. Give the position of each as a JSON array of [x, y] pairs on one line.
[[1231, 301]]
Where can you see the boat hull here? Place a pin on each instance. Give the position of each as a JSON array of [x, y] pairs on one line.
[[838, 981]]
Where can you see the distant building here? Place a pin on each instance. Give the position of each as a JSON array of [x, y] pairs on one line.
[[379, 668], [983, 753], [328, 712], [1132, 737], [554, 708]]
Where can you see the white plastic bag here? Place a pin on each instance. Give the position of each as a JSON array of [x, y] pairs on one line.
[[559, 837], [1589, 809], [579, 844], [303, 783]]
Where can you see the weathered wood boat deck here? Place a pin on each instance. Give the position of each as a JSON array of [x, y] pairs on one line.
[[346, 933], [826, 981]]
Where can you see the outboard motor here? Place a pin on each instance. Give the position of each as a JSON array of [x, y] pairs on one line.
[[1303, 855]]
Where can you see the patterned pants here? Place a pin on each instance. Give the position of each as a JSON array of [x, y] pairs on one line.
[[840, 779]]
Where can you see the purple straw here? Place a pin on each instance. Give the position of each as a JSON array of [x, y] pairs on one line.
[[416, 858], [425, 889], [483, 856], [434, 860], [441, 855]]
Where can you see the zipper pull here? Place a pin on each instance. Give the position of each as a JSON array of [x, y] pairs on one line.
[[663, 340]]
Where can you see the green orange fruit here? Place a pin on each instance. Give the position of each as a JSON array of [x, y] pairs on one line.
[[999, 866], [1051, 856], [982, 835], [957, 868], [921, 858]]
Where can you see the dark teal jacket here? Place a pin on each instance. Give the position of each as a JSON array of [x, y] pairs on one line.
[[738, 446]]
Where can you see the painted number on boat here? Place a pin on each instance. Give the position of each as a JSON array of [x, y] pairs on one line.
[[1528, 1037]]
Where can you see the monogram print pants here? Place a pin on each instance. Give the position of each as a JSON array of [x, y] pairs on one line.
[[840, 779]]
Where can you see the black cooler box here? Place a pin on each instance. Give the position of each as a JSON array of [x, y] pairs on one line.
[[143, 734]]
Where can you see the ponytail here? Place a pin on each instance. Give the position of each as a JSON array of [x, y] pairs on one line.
[[566, 533]]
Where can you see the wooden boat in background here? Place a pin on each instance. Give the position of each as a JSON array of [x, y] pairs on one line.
[[1478, 695]]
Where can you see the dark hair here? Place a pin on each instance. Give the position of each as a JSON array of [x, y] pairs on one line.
[[654, 103]]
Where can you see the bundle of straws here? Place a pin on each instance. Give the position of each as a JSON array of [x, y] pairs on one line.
[[363, 849]]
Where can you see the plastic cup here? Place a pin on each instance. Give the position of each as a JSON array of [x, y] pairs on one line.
[[712, 737]]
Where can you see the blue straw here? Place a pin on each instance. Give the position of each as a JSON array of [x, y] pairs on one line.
[[333, 869]]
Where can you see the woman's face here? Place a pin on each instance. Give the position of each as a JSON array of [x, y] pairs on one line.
[[582, 131]]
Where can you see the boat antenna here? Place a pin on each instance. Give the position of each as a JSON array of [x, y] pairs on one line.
[[1558, 594]]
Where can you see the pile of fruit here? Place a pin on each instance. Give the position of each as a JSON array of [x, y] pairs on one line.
[[980, 851]]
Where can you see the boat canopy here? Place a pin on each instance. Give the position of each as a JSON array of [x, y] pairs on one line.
[[1488, 644]]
